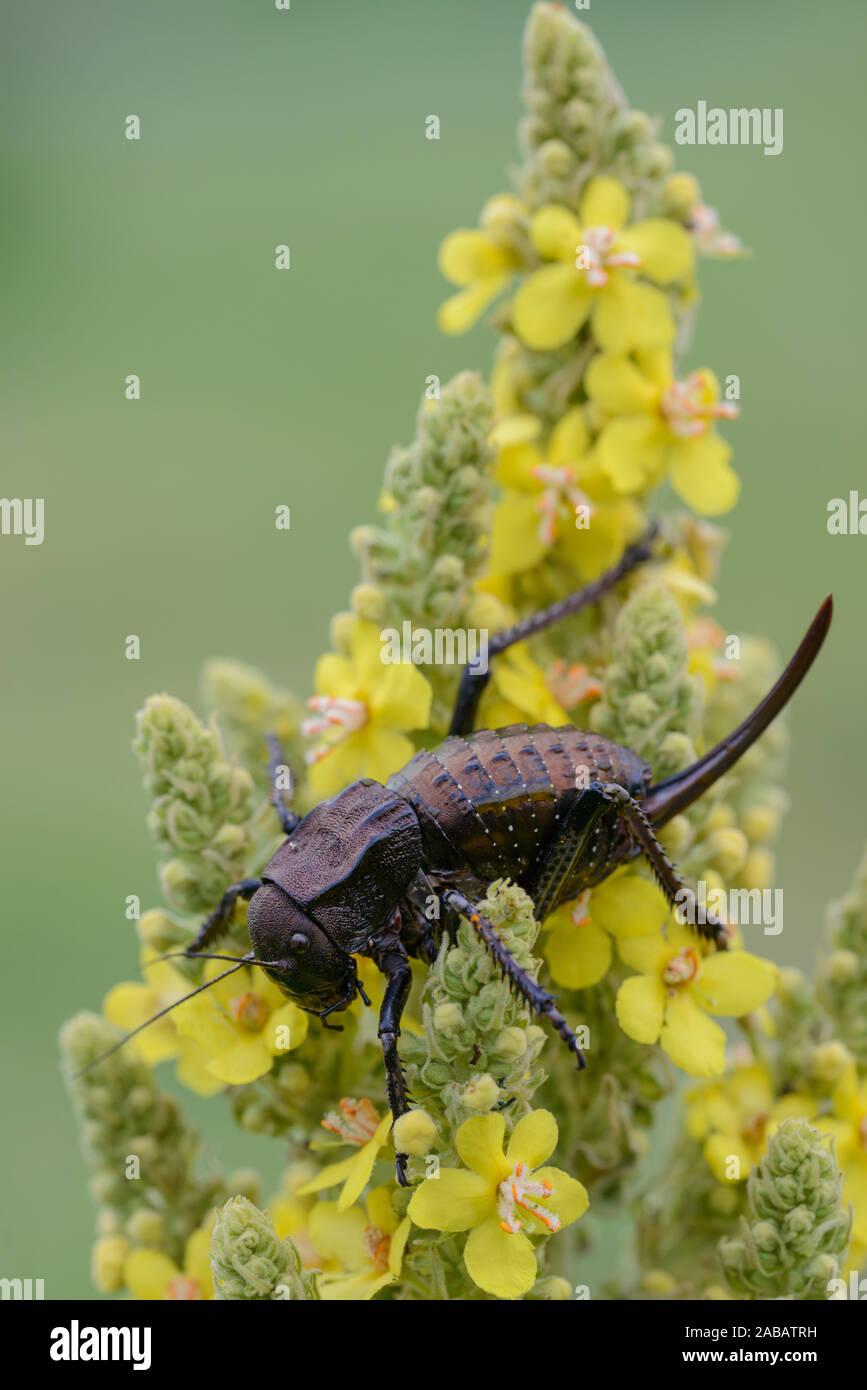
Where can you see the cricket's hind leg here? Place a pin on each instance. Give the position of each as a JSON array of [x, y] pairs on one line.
[[473, 682], [670, 881]]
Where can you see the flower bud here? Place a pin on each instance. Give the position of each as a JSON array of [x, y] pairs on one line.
[[107, 1261], [414, 1133], [146, 1227], [510, 1044], [481, 1093]]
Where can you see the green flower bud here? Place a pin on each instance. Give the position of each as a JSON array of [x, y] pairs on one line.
[[107, 1262], [552, 1290], [369, 603], [249, 1262], [843, 967], [510, 1044], [146, 1227], [448, 1017], [245, 1182], [727, 850], [798, 1232], [829, 1062], [340, 632]]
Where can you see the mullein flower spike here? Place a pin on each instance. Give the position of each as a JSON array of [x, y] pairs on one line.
[[512, 493]]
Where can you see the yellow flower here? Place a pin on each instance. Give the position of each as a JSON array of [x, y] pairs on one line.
[[290, 1211], [363, 705], [665, 429], [369, 1248], [517, 693], [705, 640], [242, 1023], [597, 260], [480, 263], [737, 1116], [848, 1128], [578, 944], [556, 502], [152, 1276], [131, 1003], [357, 1123], [502, 1200], [678, 986]]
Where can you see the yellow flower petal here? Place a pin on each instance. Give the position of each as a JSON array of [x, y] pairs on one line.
[[192, 1070], [293, 1019], [844, 1136], [534, 1139], [604, 203], [336, 675], [401, 697], [398, 1245], [555, 233], [845, 1095], [503, 1265], [380, 1211], [454, 1201], [197, 1261], [666, 250], [692, 1040], [516, 543], [618, 387], [628, 906], [569, 1200], [628, 315], [735, 982], [130, 1004], [578, 956], [720, 1149], [246, 1061], [330, 1176], [647, 953], [751, 1088], [479, 1142], [339, 1234], [569, 438], [551, 306], [515, 429], [855, 1191], [701, 475], [148, 1273], [460, 311], [515, 466], [632, 453], [363, 1165], [639, 1007], [358, 1288], [466, 256]]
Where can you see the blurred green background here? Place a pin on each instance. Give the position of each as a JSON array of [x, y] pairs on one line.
[[156, 258]]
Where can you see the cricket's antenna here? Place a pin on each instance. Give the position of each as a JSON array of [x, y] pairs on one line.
[[148, 1021]]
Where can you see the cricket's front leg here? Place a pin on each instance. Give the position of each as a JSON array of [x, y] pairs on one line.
[[395, 966]]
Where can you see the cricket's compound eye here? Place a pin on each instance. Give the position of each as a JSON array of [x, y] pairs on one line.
[[306, 964]]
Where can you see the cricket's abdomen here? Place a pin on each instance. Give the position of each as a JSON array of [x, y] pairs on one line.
[[490, 803]]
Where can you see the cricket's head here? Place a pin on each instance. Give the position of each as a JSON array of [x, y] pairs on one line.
[[309, 967]]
